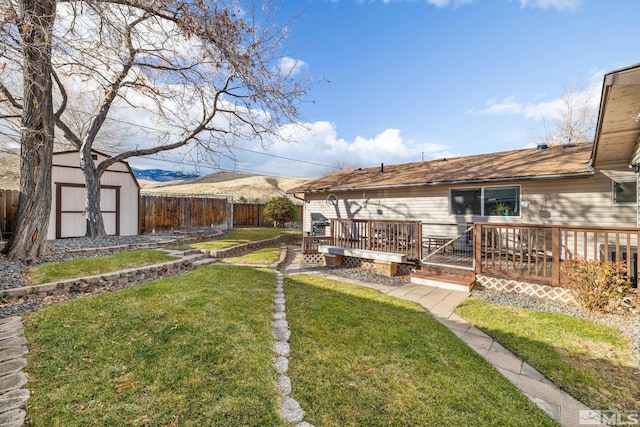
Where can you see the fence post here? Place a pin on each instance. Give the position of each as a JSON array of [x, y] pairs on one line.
[[555, 256]]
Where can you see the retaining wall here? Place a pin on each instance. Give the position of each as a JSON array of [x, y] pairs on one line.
[[245, 248], [103, 281]]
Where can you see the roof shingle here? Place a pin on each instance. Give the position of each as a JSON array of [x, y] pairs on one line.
[[528, 164]]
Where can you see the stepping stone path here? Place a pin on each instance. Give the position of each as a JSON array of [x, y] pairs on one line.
[[290, 410], [13, 353]]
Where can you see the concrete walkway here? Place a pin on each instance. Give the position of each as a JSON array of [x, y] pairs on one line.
[[441, 303], [13, 351]]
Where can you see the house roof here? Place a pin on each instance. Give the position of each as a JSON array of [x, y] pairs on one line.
[[568, 161], [618, 127]]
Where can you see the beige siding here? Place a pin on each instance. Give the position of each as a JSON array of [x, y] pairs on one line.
[[576, 202]]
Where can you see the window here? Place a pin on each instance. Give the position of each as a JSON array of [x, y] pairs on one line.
[[487, 201], [332, 200], [624, 192], [466, 201], [502, 201]]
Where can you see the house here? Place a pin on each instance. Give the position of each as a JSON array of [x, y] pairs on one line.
[[119, 197], [515, 214]]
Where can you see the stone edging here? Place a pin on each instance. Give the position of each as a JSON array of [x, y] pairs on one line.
[[102, 281], [245, 248]]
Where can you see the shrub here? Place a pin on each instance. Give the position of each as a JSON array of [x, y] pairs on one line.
[[596, 286], [280, 210]]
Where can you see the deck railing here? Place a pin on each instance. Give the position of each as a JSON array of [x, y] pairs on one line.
[[448, 245], [402, 237], [529, 253], [535, 253]]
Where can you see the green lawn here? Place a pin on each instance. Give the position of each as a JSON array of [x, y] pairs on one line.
[[238, 236], [360, 358], [265, 256], [592, 362], [191, 350], [51, 272]]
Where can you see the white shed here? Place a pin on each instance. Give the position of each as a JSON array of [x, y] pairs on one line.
[[120, 193]]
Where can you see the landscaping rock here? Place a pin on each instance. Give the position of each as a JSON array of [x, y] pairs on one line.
[[12, 382], [280, 324], [13, 399], [284, 385], [11, 366], [281, 364], [13, 353], [281, 334], [291, 410], [13, 418], [282, 348]]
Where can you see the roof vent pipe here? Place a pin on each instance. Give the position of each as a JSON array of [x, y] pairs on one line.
[[542, 146], [381, 167]]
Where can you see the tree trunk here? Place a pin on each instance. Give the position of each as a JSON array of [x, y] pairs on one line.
[[95, 223], [29, 238]]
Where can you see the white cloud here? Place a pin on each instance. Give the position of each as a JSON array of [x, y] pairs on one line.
[[506, 106], [436, 3], [561, 5], [550, 109], [319, 143], [290, 66]]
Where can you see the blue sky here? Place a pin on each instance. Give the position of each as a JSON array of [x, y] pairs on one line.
[[435, 78]]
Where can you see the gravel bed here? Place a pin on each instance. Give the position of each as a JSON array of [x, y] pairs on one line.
[[361, 275]]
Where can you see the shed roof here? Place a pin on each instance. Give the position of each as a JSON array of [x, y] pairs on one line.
[[566, 161]]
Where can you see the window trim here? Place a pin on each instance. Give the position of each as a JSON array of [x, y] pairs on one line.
[[451, 212], [482, 199], [613, 192]]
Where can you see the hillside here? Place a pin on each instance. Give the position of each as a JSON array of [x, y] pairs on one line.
[[237, 185], [251, 187]]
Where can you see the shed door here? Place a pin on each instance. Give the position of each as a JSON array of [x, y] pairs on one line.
[[70, 205]]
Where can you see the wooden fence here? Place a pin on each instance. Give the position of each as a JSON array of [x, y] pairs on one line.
[[246, 214], [165, 213], [174, 213], [8, 211]]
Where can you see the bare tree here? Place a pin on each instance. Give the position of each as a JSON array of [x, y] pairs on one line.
[[342, 165], [575, 121], [27, 30], [203, 74]]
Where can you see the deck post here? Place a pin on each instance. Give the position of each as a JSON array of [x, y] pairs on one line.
[[555, 256], [477, 247]]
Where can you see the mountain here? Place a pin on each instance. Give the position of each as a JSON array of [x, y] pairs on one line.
[[160, 175]]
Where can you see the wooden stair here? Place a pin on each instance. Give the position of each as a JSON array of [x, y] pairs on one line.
[[445, 277]]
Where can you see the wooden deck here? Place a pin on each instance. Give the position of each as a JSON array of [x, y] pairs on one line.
[[530, 253]]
